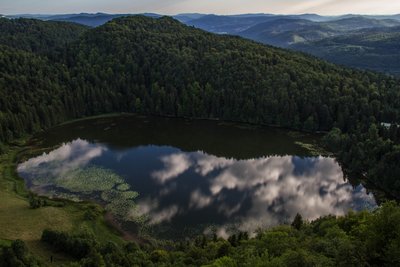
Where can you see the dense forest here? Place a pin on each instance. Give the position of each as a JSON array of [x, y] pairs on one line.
[[36, 36], [357, 239]]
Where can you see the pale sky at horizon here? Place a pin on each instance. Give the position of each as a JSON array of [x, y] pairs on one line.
[[171, 7]]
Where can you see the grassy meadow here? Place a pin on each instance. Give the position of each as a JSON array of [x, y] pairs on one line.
[[19, 221]]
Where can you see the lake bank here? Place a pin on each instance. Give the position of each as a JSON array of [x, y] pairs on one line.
[[182, 169]]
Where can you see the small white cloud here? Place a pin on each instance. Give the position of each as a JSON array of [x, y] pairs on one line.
[[199, 200], [175, 165], [164, 215]]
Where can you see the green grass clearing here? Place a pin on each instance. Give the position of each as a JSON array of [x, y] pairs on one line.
[[19, 221]]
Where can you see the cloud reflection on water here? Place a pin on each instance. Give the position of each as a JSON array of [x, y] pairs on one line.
[[175, 165], [67, 157], [278, 188]]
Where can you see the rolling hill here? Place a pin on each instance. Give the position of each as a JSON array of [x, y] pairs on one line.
[[37, 36], [376, 49], [286, 32]]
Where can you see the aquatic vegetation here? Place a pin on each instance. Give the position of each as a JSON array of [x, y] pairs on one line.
[[123, 187], [123, 209], [121, 204], [80, 183], [89, 179], [130, 194], [95, 179], [42, 179], [111, 195], [313, 149], [63, 195]]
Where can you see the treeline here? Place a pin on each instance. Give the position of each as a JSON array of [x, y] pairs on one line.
[[371, 153], [159, 66], [356, 239]]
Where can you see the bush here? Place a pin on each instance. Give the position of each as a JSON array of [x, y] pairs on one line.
[[17, 255], [76, 246]]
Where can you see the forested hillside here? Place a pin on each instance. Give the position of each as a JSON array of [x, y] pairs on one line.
[[171, 69], [30, 93]]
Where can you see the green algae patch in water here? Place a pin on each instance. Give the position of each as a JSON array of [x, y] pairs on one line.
[[123, 187], [66, 173], [121, 204], [89, 180]]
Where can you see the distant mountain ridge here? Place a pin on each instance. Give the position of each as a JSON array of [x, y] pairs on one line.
[[192, 17], [309, 33], [375, 49], [87, 19], [316, 35]]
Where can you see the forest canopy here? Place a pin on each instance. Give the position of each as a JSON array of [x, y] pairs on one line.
[[356, 239]]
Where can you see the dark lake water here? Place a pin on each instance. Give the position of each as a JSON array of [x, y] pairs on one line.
[[174, 176]]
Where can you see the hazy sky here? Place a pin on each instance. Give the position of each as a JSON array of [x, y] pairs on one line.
[[325, 7]]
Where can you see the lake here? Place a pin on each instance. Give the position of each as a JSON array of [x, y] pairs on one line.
[[177, 177]]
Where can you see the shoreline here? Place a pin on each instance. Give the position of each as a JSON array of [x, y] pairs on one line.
[[29, 149], [129, 114]]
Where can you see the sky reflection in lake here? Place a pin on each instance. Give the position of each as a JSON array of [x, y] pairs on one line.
[[196, 189]]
